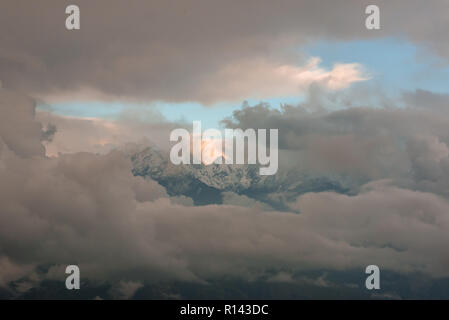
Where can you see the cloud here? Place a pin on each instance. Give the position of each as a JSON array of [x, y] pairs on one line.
[[88, 209], [261, 79], [231, 198], [67, 192], [192, 51], [18, 129], [72, 134], [385, 221], [11, 271], [125, 289], [425, 100], [358, 142]]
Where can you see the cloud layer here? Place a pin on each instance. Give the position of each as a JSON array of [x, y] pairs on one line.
[[159, 50], [68, 194], [90, 210]]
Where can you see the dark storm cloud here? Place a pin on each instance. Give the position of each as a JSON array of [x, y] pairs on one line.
[[174, 50]]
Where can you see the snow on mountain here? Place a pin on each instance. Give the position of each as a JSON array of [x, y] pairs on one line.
[[205, 183]]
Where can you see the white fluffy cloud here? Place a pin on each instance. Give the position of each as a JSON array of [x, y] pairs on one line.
[[261, 79]]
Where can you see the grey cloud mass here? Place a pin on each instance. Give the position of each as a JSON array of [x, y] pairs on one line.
[[408, 144], [361, 181], [175, 50], [91, 209]]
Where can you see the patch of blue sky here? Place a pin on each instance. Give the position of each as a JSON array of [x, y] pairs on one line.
[[210, 116], [186, 112], [85, 109], [394, 63]]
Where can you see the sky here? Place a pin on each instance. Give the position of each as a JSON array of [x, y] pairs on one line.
[[363, 135], [394, 65]]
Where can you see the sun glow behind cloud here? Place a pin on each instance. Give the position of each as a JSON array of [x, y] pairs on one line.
[[211, 150]]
